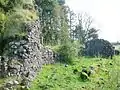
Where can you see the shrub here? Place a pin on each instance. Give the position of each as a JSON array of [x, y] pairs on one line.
[[67, 52]]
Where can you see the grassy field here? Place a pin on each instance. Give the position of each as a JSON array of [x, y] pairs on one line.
[[106, 75]]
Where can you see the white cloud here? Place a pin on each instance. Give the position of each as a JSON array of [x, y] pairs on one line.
[[106, 14]]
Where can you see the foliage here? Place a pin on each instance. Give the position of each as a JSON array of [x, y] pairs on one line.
[[99, 47], [57, 76], [54, 24], [13, 15], [3, 19], [61, 2], [72, 23], [48, 11], [7, 5], [67, 52], [14, 18], [64, 33], [83, 31]]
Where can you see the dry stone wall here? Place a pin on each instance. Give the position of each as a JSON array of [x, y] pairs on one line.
[[24, 57]]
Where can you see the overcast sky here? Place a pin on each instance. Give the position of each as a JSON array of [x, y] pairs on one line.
[[106, 15]]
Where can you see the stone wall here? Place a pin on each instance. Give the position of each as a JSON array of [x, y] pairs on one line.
[[48, 56], [24, 57]]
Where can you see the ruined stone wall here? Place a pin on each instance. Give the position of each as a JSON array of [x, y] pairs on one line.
[[24, 57]]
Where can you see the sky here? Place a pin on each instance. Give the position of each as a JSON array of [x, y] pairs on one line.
[[105, 14]]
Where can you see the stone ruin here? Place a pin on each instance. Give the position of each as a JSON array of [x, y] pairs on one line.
[[24, 57]]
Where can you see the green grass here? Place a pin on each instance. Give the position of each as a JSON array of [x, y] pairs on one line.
[[59, 77]]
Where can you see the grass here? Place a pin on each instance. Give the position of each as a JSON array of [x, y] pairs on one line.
[[59, 77]]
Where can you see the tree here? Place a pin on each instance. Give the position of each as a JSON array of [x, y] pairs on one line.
[[49, 14], [7, 5], [99, 47], [64, 34], [54, 21], [83, 31], [72, 23], [92, 34]]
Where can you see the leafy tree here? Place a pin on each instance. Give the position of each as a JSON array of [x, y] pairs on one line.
[[49, 11], [64, 35], [7, 5], [83, 31], [92, 34], [99, 47], [54, 23], [72, 23]]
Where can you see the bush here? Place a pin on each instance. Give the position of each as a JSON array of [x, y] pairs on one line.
[[67, 52]]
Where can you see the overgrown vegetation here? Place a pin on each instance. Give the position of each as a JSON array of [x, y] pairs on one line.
[[13, 15], [56, 19], [66, 33], [67, 53], [105, 75]]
